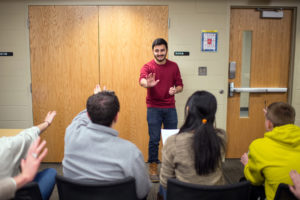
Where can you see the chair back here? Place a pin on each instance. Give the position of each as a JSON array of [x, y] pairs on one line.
[[187, 191], [30, 191], [76, 190], [283, 193]]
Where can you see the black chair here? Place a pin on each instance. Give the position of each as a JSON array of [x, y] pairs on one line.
[[30, 191], [283, 193], [76, 190], [187, 191]]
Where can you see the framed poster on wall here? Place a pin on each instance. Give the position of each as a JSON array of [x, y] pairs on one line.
[[209, 40]]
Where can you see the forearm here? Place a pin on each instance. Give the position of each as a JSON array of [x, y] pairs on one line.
[[143, 183], [21, 180], [43, 126], [7, 188], [47, 121], [178, 89], [143, 83]]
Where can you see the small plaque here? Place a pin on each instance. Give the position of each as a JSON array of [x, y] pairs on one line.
[[6, 53], [181, 53]]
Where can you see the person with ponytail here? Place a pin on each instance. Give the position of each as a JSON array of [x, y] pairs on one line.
[[194, 155]]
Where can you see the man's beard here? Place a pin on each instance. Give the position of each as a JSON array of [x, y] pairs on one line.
[[161, 59]]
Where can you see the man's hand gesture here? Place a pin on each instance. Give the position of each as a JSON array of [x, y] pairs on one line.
[[151, 82]]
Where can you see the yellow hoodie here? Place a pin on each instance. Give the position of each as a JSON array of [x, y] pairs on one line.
[[272, 158]]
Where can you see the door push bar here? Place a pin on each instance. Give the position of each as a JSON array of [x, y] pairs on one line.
[[232, 89]]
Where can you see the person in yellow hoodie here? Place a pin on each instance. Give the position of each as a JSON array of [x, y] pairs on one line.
[[270, 159]]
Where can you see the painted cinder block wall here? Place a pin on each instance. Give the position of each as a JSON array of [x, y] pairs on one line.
[[187, 19]]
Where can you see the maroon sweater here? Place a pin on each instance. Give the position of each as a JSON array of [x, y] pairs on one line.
[[168, 76]]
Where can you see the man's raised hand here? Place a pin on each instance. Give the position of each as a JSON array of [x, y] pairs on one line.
[[151, 82]]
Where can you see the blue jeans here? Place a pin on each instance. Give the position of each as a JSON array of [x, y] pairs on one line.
[[163, 192], [46, 181], [156, 117]]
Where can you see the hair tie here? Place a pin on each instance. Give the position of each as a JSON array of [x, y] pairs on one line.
[[204, 121]]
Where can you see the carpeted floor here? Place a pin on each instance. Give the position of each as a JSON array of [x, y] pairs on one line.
[[233, 171]]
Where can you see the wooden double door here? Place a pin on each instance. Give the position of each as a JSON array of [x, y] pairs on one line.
[[72, 48]]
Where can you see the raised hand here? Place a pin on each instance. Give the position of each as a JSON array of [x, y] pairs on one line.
[[151, 82], [30, 165], [244, 159], [50, 116], [97, 89]]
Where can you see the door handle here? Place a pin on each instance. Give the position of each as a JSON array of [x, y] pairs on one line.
[[232, 89]]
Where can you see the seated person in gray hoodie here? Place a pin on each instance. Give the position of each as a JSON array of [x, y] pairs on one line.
[[94, 152]]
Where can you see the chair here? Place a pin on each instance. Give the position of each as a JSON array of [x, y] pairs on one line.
[[187, 191], [76, 190], [30, 191], [283, 193]]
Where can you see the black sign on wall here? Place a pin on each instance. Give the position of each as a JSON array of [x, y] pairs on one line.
[[6, 53], [181, 53]]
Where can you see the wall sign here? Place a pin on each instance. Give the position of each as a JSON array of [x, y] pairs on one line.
[[6, 53], [181, 53], [209, 40]]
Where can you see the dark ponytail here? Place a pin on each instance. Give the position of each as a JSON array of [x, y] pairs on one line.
[[200, 113]]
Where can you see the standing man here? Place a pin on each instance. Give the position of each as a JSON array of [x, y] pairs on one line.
[[162, 79]]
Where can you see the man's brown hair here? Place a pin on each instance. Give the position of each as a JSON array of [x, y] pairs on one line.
[[280, 113]]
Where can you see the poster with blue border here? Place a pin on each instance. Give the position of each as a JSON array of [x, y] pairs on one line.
[[209, 40]]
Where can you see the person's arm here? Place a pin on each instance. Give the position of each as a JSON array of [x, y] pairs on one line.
[[178, 83], [244, 159], [174, 90], [143, 82], [47, 121], [19, 144], [167, 166], [295, 189], [253, 167], [7, 188], [82, 119], [142, 181], [29, 167], [222, 134], [179, 89], [149, 81]]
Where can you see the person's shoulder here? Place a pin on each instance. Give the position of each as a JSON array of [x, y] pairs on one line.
[[258, 143], [172, 138], [171, 141], [150, 63]]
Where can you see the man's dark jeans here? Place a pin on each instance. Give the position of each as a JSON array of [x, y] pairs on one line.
[[156, 117]]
